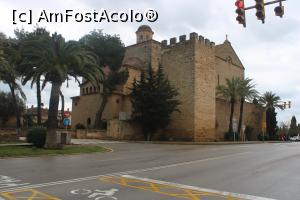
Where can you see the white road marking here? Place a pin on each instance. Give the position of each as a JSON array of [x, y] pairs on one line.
[[6, 182], [236, 195], [121, 173], [97, 194]]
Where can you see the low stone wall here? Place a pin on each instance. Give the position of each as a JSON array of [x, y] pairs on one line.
[[89, 134], [123, 130], [8, 135]]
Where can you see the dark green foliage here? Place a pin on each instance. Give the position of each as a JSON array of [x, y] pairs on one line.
[[271, 122], [267, 137], [79, 126], [231, 136], [248, 132], [293, 131], [153, 100], [37, 136], [7, 108], [109, 48]]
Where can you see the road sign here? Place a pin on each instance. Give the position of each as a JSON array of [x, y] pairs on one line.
[[67, 114], [67, 122]]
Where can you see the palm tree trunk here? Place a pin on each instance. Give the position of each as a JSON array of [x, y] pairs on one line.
[[232, 102], [98, 120], [62, 106], [39, 101], [51, 139], [241, 115], [17, 111]]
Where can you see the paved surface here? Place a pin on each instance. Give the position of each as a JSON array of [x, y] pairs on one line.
[[156, 171]]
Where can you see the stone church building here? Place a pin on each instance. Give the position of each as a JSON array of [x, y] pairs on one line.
[[195, 65]]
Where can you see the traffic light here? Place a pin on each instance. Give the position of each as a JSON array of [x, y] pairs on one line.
[[289, 104], [279, 11], [284, 105], [240, 10], [260, 10]]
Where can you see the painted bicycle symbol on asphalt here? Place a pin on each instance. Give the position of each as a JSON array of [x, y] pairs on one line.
[[96, 194]]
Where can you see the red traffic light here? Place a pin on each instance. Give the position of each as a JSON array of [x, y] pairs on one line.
[[241, 18], [239, 4]]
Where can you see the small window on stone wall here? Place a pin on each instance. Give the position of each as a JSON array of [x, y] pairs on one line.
[[117, 101]]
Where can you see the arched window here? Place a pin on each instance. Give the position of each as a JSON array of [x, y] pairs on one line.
[[82, 90], [141, 37], [91, 89], [95, 90], [86, 90]]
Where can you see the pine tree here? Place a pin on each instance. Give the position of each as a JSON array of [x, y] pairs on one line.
[[153, 100], [293, 127], [271, 122]]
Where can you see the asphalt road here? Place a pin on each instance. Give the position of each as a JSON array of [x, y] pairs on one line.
[[158, 171]]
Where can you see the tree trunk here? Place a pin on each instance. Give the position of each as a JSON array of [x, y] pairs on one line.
[[51, 139], [39, 101], [17, 111], [62, 106], [241, 115], [232, 102], [98, 120]]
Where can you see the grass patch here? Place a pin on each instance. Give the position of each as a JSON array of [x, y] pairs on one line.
[[17, 151]]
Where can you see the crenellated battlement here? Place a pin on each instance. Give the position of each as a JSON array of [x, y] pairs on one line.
[[193, 38]]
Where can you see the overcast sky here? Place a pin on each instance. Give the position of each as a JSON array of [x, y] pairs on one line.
[[268, 51]]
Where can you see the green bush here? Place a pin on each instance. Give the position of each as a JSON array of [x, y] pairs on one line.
[[248, 131], [37, 136], [79, 126], [230, 136]]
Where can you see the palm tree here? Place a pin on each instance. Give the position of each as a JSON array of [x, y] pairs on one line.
[[230, 92], [57, 59], [246, 92], [8, 74], [28, 67], [271, 102]]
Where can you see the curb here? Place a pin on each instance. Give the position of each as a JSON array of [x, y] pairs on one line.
[[204, 143], [16, 144]]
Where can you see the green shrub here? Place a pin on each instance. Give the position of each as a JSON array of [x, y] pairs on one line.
[[248, 131], [230, 136], [79, 126], [37, 136]]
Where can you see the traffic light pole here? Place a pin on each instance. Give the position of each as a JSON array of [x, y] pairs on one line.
[[268, 3]]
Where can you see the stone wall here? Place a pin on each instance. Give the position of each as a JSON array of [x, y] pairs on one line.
[[124, 130], [85, 107], [205, 90], [178, 61], [8, 135], [252, 117]]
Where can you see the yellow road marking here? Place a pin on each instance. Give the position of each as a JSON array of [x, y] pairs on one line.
[[178, 192], [29, 194]]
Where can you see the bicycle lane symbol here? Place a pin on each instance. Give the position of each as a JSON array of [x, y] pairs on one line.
[[96, 194]]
